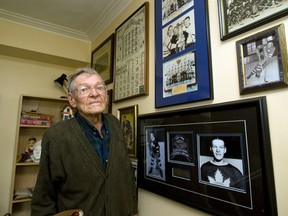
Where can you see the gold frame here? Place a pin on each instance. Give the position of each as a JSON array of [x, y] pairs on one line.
[[130, 113]]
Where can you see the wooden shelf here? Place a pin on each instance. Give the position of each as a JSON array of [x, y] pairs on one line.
[[25, 173], [27, 164]]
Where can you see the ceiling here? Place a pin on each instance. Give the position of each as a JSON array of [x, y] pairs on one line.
[[82, 19]]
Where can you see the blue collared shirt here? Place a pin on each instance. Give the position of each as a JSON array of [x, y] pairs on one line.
[[100, 145]]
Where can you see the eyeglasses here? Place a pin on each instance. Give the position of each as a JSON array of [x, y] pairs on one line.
[[85, 90]]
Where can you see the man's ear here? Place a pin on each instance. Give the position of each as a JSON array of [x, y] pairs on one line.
[[225, 149], [71, 100]]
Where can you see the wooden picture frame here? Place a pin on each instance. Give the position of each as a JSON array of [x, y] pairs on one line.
[[102, 59], [237, 17], [131, 56], [183, 71], [262, 60], [173, 147], [108, 108], [128, 120]]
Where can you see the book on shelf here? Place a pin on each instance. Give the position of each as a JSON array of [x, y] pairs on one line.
[[24, 193], [34, 118], [35, 122]]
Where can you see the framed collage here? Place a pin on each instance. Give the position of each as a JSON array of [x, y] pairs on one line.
[[216, 158], [183, 63]]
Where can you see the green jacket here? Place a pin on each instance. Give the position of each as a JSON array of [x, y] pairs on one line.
[[72, 176]]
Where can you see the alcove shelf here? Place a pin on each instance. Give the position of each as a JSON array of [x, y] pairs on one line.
[[36, 115]]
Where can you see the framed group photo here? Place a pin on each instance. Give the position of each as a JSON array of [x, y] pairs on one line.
[[131, 56], [102, 59], [262, 60], [237, 17], [216, 158], [183, 62], [128, 120]]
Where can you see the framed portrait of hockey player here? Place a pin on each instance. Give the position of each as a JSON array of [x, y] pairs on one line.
[[239, 16], [216, 158], [128, 120], [262, 60]]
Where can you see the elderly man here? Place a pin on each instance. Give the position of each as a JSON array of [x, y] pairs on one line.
[[84, 161]]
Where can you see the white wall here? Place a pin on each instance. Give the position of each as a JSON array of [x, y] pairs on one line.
[[20, 76], [226, 88], [26, 68]]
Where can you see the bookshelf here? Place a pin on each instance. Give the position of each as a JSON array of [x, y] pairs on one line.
[[36, 115]]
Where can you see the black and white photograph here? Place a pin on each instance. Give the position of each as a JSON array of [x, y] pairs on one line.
[[237, 16], [261, 63], [262, 59], [221, 161], [179, 75], [179, 35], [173, 8], [155, 153]]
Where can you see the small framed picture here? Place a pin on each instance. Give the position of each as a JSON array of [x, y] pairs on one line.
[[262, 60], [102, 59], [128, 120]]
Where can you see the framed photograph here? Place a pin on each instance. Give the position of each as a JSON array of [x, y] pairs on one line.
[[216, 158], [108, 108], [128, 120], [131, 56], [262, 60], [102, 59], [237, 17], [183, 62]]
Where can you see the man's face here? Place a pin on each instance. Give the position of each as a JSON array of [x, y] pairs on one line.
[[187, 22], [218, 148], [170, 31], [152, 136], [91, 103]]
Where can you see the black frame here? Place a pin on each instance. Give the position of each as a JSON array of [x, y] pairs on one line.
[[183, 71], [247, 16], [244, 127], [262, 60], [106, 59]]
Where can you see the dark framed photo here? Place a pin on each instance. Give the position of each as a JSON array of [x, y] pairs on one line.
[[262, 60], [237, 17], [102, 59], [183, 62], [128, 120], [131, 56], [108, 108], [216, 158]]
